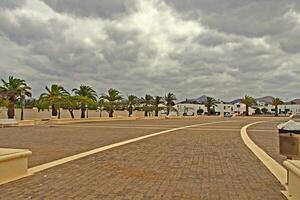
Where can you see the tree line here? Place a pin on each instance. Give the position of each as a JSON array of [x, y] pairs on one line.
[[14, 91]]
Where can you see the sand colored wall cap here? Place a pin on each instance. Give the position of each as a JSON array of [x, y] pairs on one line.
[[293, 167], [26, 123], [8, 122], [87, 120], [8, 154], [13, 164]]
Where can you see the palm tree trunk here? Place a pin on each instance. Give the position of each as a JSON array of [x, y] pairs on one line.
[[247, 110], [168, 111], [71, 113], [82, 113], [111, 113], [208, 110], [22, 112], [276, 111], [146, 111], [156, 111], [11, 111], [54, 111], [130, 111]]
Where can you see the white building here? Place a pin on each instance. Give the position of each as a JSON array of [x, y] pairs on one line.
[[288, 108], [191, 106], [219, 108], [291, 107]]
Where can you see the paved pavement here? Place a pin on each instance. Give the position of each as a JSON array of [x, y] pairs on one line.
[[266, 136], [50, 143], [208, 162]]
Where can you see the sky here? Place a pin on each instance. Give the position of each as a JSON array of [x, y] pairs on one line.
[[224, 49]]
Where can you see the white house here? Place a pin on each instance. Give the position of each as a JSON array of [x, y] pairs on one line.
[[191, 106], [221, 108], [291, 107]]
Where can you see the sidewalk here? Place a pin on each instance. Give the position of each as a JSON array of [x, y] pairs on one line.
[[187, 164]]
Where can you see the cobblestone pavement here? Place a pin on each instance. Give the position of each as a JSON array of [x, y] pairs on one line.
[[265, 135], [187, 164], [55, 142]]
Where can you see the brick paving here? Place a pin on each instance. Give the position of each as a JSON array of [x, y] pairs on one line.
[[186, 164], [52, 143], [266, 136]]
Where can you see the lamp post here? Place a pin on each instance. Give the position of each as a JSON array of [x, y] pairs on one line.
[[99, 109], [22, 104], [285, 112]]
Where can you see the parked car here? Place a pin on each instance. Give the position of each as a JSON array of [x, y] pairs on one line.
[[228, 115], [189, 113]]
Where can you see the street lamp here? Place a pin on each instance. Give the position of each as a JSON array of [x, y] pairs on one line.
[[100, 114], [285, 112]]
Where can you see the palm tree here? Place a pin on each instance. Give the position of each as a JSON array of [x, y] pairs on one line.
[[53, 97], [13, 90], [276, 102], [157, 101], [41, 106], [88, 94], [131, 102], [147, 103], [70, 103], [248, 101], [3, 102], [169, 100], [112, 98], [210, 101]]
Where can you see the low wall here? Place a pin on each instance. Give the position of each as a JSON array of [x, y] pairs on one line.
[[13, 164], [31, 114], [293, 167], [86, 120]]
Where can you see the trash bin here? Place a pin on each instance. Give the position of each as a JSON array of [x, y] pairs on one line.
[[289, 139]]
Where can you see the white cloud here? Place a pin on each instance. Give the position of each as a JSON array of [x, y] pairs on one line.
[[152, 46]]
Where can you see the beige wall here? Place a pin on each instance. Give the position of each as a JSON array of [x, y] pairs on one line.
[[34, 114]]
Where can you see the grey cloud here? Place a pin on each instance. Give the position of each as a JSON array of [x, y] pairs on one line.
[[250, 18], [9, 4], [219, 48], [90, 8]]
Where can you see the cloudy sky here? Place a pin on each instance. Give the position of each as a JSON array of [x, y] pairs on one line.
[[221, 48]]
